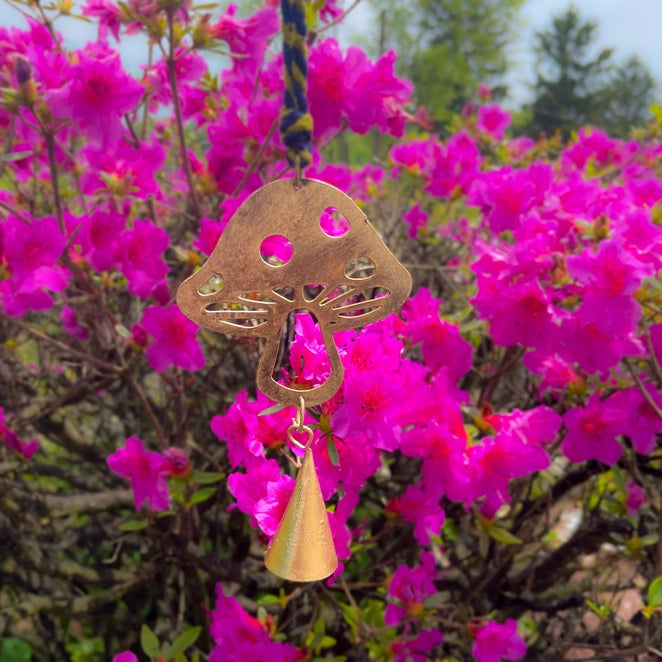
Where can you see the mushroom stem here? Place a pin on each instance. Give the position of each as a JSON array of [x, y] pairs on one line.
[[290, 396]]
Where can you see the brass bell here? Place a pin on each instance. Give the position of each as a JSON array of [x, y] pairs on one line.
[[302, 549]]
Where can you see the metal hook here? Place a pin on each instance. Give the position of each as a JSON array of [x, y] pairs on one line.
[[298, 425]]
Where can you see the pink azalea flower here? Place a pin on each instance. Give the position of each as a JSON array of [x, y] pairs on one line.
[[247, 38], [641, 422], [442, 345], [484, 91], [501, 458], [635, 498], [374, 348], [146, 470], [505, 195], [416, 219], [493, 120], [109, 16], [98, 238], [358, 459], [26, 449], [410, 587], [420, 506], [70, 324], [443, 467], [414, 156], [610, 277], [174, 339], [251, 487], [238, 427], [522, 313], [239, 636], [454, 166], [374, 96], [123, 169], [557, 374], [189, 67], [592, 431], [350, 86], [177, 461], [535, 426], [210, 233], [593, 349], [269, 510], [371, 406], [97, 94], [308, 355], [139, 253], [30, 253], [499, 641], [416, 649], [125, 656]]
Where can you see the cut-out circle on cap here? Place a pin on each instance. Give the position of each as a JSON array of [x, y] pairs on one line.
[[276, 250], [333, 223], [359, 268]]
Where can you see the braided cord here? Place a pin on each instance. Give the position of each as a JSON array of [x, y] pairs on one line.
[[296, 123]]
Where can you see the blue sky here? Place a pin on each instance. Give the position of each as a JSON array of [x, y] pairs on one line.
[[629, 26]]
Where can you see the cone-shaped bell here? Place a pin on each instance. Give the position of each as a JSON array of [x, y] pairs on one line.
[[302, 549]]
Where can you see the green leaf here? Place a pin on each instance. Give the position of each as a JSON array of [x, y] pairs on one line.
[[650, 539], [619, 477], [182, 642], [601, 610], [122, 331], [655, 593], [271, 410], [656, 111], [149, 642], [202, 495], [16, 156], [206, 477], [133, 525], [15, 650], [503, 536], [332, 449], [269, 599]]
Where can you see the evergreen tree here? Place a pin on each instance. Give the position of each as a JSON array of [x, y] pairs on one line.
[[448, 47], [630, 95], [576, 84]]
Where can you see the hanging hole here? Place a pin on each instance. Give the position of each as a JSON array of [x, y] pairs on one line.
[[333, 223], [286, 293], [303, 359], [276, 250], [360, 268], [213, 285], [311, 292]]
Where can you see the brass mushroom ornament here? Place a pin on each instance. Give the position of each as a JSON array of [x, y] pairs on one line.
[[256, 298]]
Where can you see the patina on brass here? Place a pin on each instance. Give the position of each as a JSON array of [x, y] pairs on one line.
[[302, 549], [256, 298]]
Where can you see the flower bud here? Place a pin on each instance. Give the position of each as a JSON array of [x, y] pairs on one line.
[[24, 80]]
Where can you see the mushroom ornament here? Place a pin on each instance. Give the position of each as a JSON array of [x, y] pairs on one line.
[[276, 256], [258, 293]]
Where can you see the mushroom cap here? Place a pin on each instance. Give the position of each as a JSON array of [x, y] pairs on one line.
[[253, 299]]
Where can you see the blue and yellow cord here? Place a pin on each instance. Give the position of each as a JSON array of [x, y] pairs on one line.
[[296, 123]]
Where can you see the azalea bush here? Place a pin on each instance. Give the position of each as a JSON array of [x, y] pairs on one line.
[[491, 462]]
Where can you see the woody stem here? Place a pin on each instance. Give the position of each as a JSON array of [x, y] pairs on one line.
[[171, 62]]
